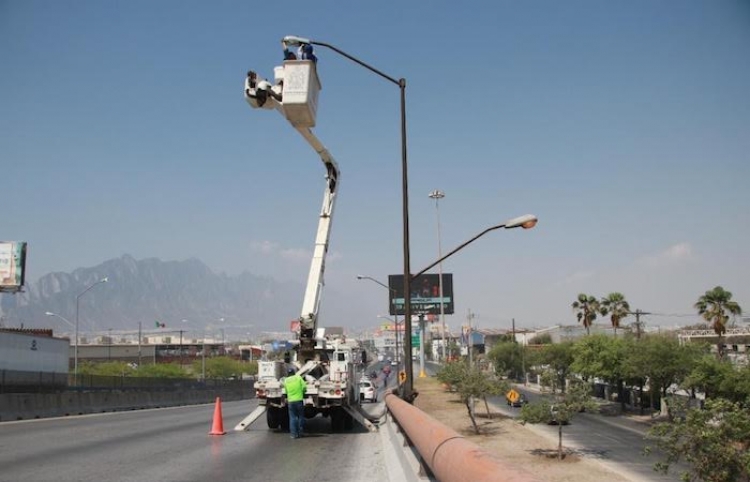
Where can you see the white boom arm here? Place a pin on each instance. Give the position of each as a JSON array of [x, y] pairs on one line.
[[260, 93]]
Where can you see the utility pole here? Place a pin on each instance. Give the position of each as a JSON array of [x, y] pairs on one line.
[[470, 341], [438, 195], [638, 314], [139, 344]]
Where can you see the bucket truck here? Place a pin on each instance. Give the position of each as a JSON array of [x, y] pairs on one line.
[[330, 364]]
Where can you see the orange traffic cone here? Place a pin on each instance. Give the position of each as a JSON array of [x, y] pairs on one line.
[[218, 425]]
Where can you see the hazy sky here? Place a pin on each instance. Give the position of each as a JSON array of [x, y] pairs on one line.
[[623, 125]]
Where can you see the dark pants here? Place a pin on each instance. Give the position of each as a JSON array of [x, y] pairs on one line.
[[296, 418]]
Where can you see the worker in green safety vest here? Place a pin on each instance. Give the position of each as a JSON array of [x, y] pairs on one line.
[[295, 387]]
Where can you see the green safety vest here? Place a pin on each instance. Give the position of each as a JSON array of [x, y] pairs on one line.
[[295, 388]]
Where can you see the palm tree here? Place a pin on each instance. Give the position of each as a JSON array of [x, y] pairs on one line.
[[617, 307], [587, 307], [713, 306]]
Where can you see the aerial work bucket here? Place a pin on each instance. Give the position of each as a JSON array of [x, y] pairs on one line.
[[300, 94]]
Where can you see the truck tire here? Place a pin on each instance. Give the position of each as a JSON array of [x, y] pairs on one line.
[[272, 417], [337, 420], [348, 421], [284, 422]]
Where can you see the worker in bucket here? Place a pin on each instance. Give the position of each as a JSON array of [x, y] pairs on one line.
[[295, 387], [305, 52]]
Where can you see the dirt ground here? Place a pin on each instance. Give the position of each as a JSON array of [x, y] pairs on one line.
[[507, 439]]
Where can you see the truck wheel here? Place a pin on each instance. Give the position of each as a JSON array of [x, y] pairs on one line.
[[337, 420], [272, 417], [348, 421], [284, 422]]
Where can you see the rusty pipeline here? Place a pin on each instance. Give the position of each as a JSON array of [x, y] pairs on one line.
[[450, 457]]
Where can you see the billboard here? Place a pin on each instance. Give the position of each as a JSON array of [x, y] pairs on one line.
[[425, 294], [12, 265]]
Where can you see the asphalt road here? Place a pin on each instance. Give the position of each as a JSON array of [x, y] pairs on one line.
[[616, 442], [173, 444]]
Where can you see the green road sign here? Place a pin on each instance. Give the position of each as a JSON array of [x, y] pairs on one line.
[[415, 341]]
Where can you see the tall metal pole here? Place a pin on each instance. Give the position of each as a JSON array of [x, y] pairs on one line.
[[75, 351], [409, 384], [437, 195], [139, 344], [470, 340], [395, 322], [422, 373]]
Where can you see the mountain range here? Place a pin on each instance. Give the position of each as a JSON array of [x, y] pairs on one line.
[[151, 291]]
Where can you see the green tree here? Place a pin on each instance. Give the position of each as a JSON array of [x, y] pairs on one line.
[[713, 441], [250, 368], [161, 370], [543, 339], [586, 307], [561, 408], [616, 306], [714, 306], [558, 358], [600, 356], [452, 373], [507, 358], [220, 367], [106, 369], [662, 361], [708, 376], [472, 385]]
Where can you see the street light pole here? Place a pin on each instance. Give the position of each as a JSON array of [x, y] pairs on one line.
[[395, 331], [75, 355], [395, 316], [49, 313], [437, 195], [526, 221], [401, 83]]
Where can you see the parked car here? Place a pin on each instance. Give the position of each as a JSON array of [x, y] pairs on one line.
[[367, 391], [555, 418]]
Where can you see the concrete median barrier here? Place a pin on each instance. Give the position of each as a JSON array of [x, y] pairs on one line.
[[27, 406], [447, 454]]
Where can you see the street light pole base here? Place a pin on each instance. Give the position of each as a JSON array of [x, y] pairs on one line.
[[422, 374]]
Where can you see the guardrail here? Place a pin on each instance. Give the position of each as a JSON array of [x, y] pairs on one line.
[[447, 454]]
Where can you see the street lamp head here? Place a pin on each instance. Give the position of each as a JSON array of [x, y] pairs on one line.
[[104, 280], [437, 194], [49, 313], [294, 40], [526, 221], [359, 276]]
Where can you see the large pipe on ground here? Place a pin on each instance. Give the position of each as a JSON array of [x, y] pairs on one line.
[[450, 457]]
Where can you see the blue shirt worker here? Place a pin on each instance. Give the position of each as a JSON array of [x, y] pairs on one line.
[[295, 387]]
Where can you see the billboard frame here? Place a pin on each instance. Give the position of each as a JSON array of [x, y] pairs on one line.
[[425, 297], [12, 266]]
